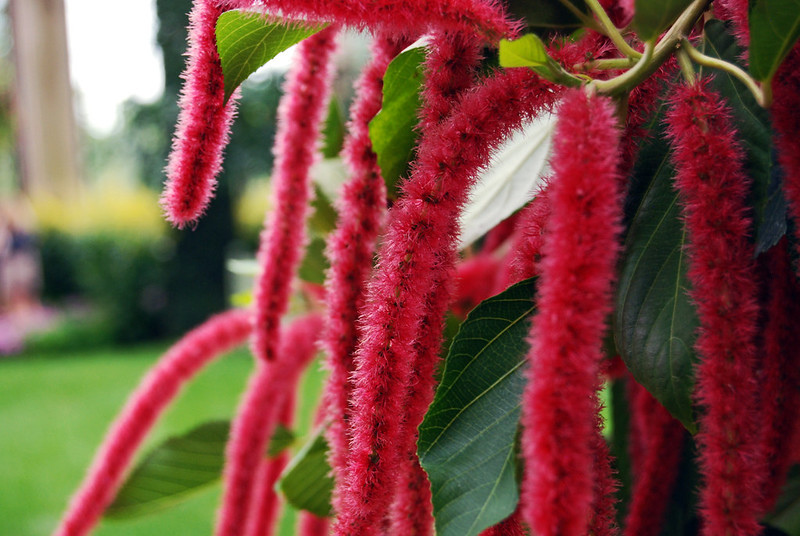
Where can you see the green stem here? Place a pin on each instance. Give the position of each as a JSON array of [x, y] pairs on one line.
[[609, 63], [661, 52], [686, 66], [587, 21], [611, 30], [763, 96]]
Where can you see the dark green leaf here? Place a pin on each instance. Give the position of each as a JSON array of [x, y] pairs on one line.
[[651, 18], [774, 29], [655, 322], [246, 41], [306, 482], [315, 263], [755, 133], [786, 513], [466, 442], [546, 15], [282, 438], [392, 130], [172, 471], [333, 131]]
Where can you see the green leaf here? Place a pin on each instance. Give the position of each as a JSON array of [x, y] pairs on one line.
[[546, 15], [282, 438], [181, 465], [307, 482], [654, 320], [247, 40], [651, 18], [530, 51], [774, 29], [171, 471], [467, 440], [333, 131], [755, 132], [315, 263], [786, 513], [393, 129], [323, 219]]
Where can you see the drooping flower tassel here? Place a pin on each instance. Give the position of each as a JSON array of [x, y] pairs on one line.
[[713, 190], [351, 246], [577, 270], [203, 124], [604, 508], [450, 71], [271, 385], [185, 359], [786, 123], [780, 375], [410, 17], [409, 261], [265, 507], [526, 247], [510, 526], [311, 525], [660, 439], [300, 116]]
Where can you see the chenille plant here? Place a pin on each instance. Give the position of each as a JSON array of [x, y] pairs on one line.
[[625, 359]]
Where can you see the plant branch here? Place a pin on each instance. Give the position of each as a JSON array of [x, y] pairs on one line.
[[660, 53], [611, 31], [608, 63], [587, 21], [761, 94]]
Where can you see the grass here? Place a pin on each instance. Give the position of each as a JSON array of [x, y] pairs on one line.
[[54, 412]]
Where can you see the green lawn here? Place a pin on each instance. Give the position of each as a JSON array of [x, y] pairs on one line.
[[54, 412]]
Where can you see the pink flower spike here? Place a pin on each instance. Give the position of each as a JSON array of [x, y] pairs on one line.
[[511, 526], [270, 387], [186, 358], [419, 249], [311, 525], [203, 124], [266, 504], [351, 246], [713, 189], [559, 409], [410, 17], [300, 116], [660, 439]]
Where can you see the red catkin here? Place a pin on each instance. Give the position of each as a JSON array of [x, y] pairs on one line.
[[786, 123], [266, 504], [780, 373], [259, 412], [449, 71], [362, 205], [526, 247], [604, 508], [577, 270], [186, 358], [311, 525], [409, 261], [300, 116], [713, 190], [659, 438], [409, 17], [511, 526], [203, 124]]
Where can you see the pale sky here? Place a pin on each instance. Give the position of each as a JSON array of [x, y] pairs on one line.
[[111, 62]]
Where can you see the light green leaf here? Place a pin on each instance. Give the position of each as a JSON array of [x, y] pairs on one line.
[[307, 482], [527, 51], [467, 440], [774, 30], [333, 131], [247, 40], [315, 263], [654, 319], [516, 172], [393, 129], [282, 438], [651, 17]]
